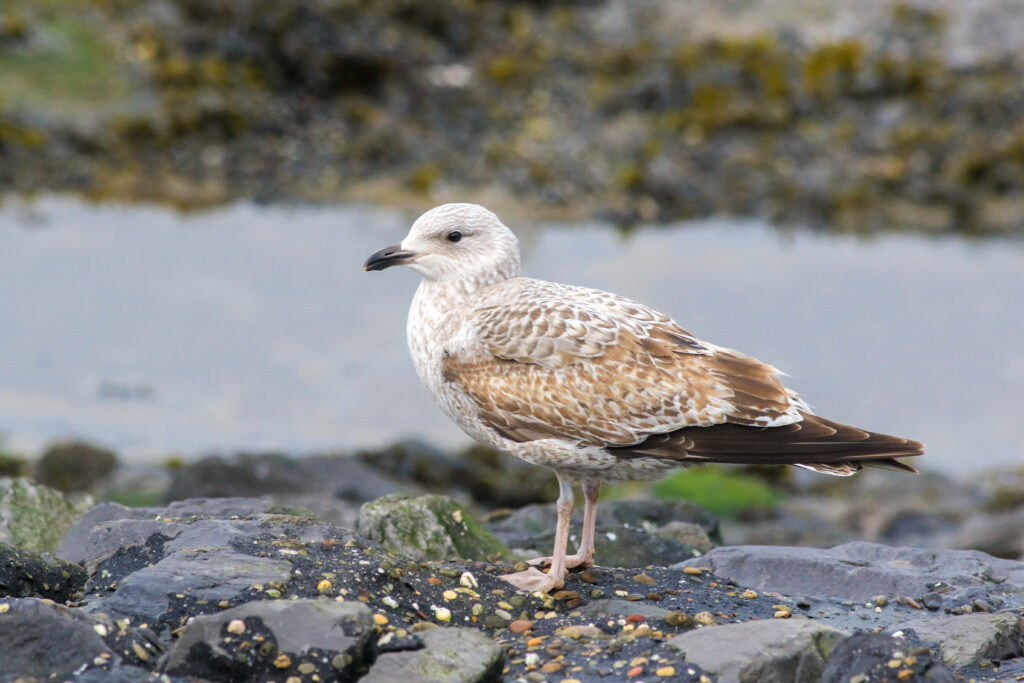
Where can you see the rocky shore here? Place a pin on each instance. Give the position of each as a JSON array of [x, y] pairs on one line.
[[366, 584], [897, 115]]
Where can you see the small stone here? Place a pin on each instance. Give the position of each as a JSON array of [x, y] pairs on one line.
[[590, 575], [307, 668], [634, 618], [904, 674], [880, 601], [283, 661], [782, 614], [665, 671], [467, 580], [749, 594], [535, 677], [679, 619], [859, 678], [380, 619], [421, 626], [504, 614], [894, 664], [696, 571], [644, 579], [706, 619], [504, 605], [140, 652], [477, 609], [293, 679], [642, 631], [236, 626], [932, 600], [634, 672], [564, 594], [325, 587], [99, 628], [442, 613], [520, 626], [494, 621], [551, 667], [449, 595]]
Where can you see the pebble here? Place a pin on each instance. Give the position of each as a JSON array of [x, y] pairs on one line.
[[635, 671], [645, 579], [236, 626], [380, 619], [706, 619], [692, 570], [520, 626], [749, 594], [504, 614], [665, 671], [880, 601], [590, 575], [140, 652], [932, 600], [283, 661], [325, 587]]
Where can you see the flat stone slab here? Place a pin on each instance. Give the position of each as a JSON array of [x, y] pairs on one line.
[[967, 639], [449, 655], [857, 571], [793, 649]]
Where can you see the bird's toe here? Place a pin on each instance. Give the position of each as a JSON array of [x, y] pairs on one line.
[[534, 580]]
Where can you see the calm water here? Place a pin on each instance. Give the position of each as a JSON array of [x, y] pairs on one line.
[[254, 328]]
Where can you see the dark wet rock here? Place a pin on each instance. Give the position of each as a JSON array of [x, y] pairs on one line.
[[75, 466], [35, 517], [246, 475], [331, 640], [40, 639], [448, 655], [24, 574], [428, 528], [778, 650], [858, 571], [628, 532], [196, 561], [484, 475], [867, 656], [967, 639]]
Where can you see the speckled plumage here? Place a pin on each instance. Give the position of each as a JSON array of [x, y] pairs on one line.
[[591, 384]]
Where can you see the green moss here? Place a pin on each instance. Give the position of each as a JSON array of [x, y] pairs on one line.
[[725, 491], [66, 64]]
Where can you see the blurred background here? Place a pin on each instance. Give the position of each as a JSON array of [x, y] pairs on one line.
[[189, 190]]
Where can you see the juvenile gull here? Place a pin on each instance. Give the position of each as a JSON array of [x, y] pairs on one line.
[[593, 385]]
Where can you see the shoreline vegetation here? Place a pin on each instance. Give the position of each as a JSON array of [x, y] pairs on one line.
[[625, 111]]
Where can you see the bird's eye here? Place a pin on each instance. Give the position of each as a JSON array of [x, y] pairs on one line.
[[454, 236]]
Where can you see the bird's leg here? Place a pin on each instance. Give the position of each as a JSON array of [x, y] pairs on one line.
[[584, 557], [535, 580]]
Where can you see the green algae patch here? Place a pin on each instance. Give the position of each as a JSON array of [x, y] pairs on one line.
[[428, 528], [35, 517], [724, 491]]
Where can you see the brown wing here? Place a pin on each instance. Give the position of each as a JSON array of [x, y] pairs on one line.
[[587, 366], [814, 442]]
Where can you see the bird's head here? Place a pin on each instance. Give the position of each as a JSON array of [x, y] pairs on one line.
[[454, 242]]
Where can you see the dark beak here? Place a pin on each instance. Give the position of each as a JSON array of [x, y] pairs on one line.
[[389, 256]]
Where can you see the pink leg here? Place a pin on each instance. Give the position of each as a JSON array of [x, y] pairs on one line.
[[584, 557], [534, 580]]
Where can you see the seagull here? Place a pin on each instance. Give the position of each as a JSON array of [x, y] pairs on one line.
[[593, 385]]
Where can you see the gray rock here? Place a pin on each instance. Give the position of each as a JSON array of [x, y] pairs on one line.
[[793, 649], [198, 562], [35, 517], [82, 545], [42, 639], [428, 528], [687, 533], [858, 571], [966, 639], [867, 657], [450, 655], [275, 637], [24, 574]]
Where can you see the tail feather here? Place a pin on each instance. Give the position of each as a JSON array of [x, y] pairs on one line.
[[814, 442]]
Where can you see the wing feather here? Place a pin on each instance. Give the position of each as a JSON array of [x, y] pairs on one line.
[[592, 367]]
